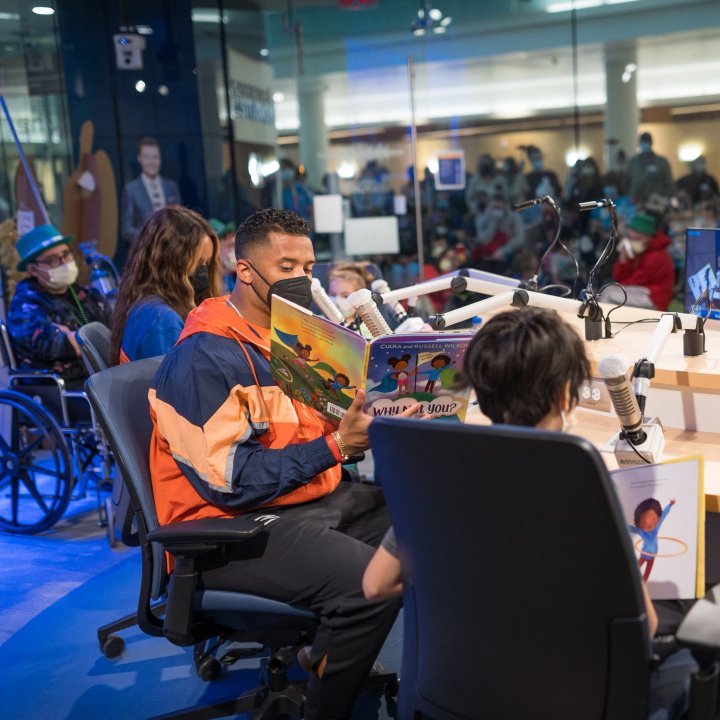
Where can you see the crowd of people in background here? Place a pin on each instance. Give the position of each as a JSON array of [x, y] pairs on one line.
[[475, 227]]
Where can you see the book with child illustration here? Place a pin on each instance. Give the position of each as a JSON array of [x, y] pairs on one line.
[[323, 365], [664, 507]]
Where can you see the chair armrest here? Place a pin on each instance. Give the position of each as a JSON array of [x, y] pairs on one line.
[[700, 629], [187, 542], [206, 530]]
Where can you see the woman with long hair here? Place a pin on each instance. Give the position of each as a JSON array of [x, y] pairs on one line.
[[173, 266]]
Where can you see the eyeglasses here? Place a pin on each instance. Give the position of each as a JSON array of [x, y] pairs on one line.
[[57, 260]]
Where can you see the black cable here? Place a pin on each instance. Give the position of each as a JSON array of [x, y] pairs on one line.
[[628, 323], [608, 322], [557, 241], [645, 460], [565, 289]]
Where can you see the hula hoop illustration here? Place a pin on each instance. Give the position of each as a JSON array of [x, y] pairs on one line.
[[644, 553]]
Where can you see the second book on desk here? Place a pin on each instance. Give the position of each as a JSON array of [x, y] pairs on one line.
[[322, 364]]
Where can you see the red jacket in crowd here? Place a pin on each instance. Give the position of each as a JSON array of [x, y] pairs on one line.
[[653, 269]]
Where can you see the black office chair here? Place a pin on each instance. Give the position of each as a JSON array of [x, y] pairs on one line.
[[195, 615], [522, 595], [94, 341]]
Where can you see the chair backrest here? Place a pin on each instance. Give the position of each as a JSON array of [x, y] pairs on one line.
[[522, 592], [94, 341], [119, 396]]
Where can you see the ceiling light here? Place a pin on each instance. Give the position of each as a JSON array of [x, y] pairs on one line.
[[439, 29], [43, 10], [264, 52], [689, 152], [144, 30], [9, 16], [140, 86], [347, 170], [435, 14], [208, 16], [446, 21], [163, 90], [418, 31], [278, 96], [582, 5]]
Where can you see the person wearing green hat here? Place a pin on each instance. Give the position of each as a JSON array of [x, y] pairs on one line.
[[644, 266], [48, 307]]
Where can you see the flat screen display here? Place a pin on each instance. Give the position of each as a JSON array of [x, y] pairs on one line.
[[702, 271]]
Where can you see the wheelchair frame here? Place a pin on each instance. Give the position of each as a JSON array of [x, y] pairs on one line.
[[34, 503]]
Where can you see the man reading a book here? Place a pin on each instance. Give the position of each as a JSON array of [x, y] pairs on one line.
[[228, 441]]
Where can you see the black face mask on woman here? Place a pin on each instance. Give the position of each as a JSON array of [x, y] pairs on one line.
[[297, 289], [200, 281]]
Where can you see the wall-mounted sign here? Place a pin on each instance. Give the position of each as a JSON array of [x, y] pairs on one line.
[[252, 108]]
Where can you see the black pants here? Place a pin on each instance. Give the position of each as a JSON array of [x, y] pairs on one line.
[[314, 556]]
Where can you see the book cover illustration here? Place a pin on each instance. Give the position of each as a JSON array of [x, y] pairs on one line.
[[315, 361], [664, 507], [423, 368]]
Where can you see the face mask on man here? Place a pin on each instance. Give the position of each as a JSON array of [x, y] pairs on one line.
[[287, 174], [200, 281], [644, 147], [296, 289], [62, 277], [537, 164]]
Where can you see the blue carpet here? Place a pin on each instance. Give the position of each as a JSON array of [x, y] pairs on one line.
[[54, 670]]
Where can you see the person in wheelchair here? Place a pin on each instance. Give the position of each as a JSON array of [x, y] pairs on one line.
[[174, 265], [228, 442], [46, 310]]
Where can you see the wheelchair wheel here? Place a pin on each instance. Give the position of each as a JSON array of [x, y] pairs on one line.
[[36, 471]]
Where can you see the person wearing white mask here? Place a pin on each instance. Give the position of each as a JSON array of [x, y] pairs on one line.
[[48, 306], [226, 238]]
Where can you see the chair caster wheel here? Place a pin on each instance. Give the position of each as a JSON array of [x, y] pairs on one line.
[[209, 669], [112, 646]]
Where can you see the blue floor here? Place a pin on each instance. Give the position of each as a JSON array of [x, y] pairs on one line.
[[53, 668]]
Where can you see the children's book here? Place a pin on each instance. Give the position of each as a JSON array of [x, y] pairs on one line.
[[664, 507], [323, 365]]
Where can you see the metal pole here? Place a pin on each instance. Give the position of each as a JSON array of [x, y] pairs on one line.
[[416, 174], [29, 175]]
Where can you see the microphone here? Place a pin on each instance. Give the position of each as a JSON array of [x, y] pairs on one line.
[[367, 309], [397, 311], [537, 201], [592, 204], [527, 203], [329, 309], [613, 370]]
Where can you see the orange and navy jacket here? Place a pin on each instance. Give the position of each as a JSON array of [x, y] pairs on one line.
[[226, 439]]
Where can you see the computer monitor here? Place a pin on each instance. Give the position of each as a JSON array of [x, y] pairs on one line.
[[702, 271]]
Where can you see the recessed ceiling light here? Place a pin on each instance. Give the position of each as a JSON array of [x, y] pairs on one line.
[[140, 86], [419, 31], [446, 21], [264, 52], [43, 10]]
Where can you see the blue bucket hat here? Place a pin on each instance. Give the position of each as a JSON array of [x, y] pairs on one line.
[[37, 241]]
